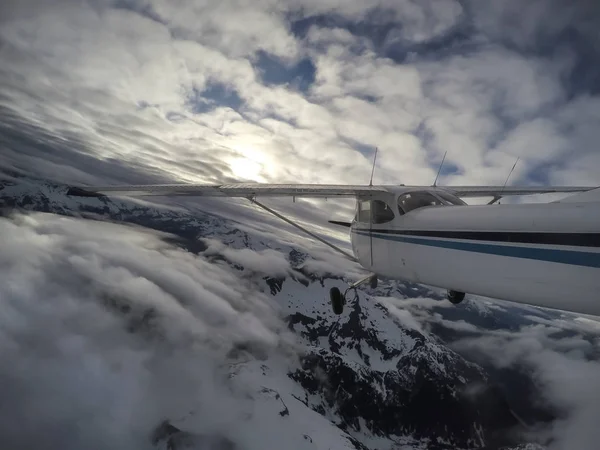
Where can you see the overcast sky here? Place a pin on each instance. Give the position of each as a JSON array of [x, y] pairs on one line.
[[134, 91]]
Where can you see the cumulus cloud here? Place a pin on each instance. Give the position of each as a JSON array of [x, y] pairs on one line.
[[109, 327]]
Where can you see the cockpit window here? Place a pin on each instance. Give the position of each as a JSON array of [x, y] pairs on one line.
[[376, 210], [382, 212], [449, 198], [414, 200]]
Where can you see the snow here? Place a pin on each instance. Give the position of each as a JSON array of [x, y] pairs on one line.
[[310, 299], [273, 414]]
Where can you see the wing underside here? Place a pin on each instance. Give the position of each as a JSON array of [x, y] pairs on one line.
[[250, 190], [233, 190], [500, 191]]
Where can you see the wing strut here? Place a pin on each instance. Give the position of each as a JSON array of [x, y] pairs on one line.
[[310, 233], [371, 232]]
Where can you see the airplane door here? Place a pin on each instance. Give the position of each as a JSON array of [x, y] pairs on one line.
[[361, 236], [382, 217], [369, 244]]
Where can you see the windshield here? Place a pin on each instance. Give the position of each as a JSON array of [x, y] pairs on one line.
[[382, 212], [449, 198], [415, 200]]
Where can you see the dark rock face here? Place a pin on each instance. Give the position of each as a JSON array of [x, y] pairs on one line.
[[274, 284], [411, 397]]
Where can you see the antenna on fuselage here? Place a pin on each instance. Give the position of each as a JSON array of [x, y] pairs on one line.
[[373, 169], [440, 169]]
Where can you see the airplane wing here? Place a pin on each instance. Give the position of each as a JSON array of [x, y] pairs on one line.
[[303, 190], [500, 191], [230, 190]]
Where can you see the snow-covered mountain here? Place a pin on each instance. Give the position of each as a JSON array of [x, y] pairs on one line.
[[369, 379]]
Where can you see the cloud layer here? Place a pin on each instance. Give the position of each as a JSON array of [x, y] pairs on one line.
[[560, 355], [109, 328]]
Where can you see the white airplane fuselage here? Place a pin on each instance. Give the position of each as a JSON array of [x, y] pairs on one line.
[[544, 254], [541, 254]]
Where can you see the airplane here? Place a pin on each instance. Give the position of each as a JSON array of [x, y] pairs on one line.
[[541, 254]]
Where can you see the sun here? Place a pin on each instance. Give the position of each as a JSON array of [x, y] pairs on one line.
[[246, 169]]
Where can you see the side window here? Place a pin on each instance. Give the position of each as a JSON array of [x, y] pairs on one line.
[[382, 212], [378, 210], [415, 200], [364, 211]]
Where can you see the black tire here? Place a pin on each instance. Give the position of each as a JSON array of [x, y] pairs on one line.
[[455, 297], [373, 282], [337, 300]]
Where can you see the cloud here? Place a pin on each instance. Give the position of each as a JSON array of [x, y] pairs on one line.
[[142, 91], [109, 327], [572, 384], [268, 262], [558, 352], [458, 325], [564, 374], [404, 317]]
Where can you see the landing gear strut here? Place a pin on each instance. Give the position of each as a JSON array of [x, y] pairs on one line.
[[455, 297], [338, 300]]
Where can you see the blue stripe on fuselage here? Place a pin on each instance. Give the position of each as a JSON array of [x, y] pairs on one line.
[[572, 257]]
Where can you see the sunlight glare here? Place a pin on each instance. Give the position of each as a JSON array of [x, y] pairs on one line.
[[247, 169]]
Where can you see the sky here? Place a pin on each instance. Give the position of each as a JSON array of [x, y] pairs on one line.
[[135, 91]]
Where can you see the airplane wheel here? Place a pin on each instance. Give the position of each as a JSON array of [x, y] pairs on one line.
[[337, 300], [455, 297], [373, 282]]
